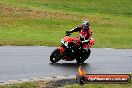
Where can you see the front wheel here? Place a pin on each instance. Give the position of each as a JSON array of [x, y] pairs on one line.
[[55, 56]]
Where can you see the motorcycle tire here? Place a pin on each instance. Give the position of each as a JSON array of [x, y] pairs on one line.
[[55, 56], [80, 61], [87, 54], [83, 58]]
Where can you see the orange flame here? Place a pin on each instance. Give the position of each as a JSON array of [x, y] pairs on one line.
[[81, 71]]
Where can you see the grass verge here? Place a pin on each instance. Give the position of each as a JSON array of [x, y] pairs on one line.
[[44, 22], [100, 86], [21, 85], [63, 83]]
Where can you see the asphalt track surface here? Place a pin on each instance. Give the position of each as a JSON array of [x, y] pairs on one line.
[[32, 62]]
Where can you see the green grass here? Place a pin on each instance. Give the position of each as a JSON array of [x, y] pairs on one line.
[[43, 84], [44, 22], [21, 85], [100, 86]]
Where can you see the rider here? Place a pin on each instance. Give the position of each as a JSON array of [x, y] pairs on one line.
[[85, 34]]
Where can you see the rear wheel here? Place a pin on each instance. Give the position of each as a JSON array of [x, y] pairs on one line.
[[85, 54], [55, 56], [80, 60]]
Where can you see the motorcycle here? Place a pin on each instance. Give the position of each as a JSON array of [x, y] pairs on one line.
[[70, 50]]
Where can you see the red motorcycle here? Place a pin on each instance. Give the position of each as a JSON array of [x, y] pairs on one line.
[[70, 50]]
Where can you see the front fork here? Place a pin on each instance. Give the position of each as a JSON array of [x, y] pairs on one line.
[[65, 53], [62, 49]]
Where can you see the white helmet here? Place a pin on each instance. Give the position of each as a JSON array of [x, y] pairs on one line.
[[85, 25]]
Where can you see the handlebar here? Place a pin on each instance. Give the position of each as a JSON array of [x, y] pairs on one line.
[[67, 33]]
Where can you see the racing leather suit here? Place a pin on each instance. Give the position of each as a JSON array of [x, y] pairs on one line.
[[85, 36]]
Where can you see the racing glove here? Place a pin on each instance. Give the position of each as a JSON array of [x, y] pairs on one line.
[[86, 41], [67, 32]]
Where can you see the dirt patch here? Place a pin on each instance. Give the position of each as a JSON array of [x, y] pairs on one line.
[[46, 82], [55, 84], [10, 13], [9, 10]]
